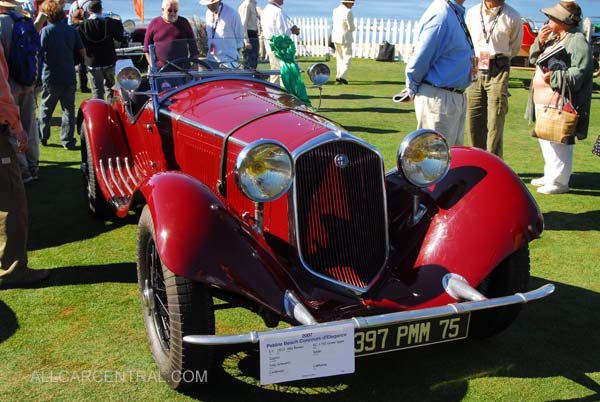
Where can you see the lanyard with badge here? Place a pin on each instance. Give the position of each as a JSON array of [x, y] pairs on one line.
[[213, 49], [484, 55], [474, 60]]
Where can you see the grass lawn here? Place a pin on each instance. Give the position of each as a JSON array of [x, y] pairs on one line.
[[80, 336]]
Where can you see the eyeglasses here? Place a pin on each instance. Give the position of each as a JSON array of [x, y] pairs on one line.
[[173, 10]]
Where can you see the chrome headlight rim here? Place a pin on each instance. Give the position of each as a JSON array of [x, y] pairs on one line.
[[129, 78], [401, 157], [245, 154]]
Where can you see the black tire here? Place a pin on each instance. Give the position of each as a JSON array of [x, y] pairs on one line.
[[510, 277], [173, 307], [97, 204]]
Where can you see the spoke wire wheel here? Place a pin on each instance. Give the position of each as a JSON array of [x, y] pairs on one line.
[[97, 205], [173, 307]]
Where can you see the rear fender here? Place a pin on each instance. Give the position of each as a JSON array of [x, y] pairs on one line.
[[103, 128], [485, 214], [199, 239]]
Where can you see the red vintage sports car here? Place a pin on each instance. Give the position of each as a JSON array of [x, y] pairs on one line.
[[251, 197]]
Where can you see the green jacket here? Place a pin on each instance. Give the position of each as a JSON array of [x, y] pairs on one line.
[[579, 77]]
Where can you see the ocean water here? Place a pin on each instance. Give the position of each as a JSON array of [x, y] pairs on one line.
[[394, 9]]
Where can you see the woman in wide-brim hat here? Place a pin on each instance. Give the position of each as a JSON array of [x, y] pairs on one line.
[[576, 69]]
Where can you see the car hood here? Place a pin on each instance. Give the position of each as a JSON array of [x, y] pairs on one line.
[[252, 109]]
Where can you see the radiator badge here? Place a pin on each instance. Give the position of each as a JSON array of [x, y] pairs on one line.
[[341, 161]]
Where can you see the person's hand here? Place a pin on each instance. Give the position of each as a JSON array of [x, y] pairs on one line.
[[546, 74], [543, 33], [21, 137], [248, 46], [295, 30], [403, 96]]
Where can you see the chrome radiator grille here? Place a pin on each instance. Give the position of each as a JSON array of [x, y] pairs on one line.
[[341, 217]]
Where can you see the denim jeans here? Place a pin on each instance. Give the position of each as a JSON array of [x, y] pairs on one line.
[[51, 94]]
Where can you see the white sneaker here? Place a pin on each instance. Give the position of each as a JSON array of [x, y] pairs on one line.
[[540, 181], [553, 189]]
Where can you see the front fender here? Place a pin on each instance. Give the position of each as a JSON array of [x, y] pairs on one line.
[[478, 215], [485, 214], [198, 238]]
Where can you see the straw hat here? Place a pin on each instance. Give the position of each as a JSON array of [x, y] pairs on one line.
[[208, 2], [566, 11]]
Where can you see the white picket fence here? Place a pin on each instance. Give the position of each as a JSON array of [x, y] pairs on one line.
[[369, 34]]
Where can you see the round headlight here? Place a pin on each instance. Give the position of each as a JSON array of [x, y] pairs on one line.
[[129, 26], [424, 157], [264, 170], [129, 78]]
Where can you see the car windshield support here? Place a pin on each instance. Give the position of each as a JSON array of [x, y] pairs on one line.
[[153, 84]]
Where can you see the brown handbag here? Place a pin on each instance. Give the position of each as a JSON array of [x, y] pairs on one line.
[[557, 122]]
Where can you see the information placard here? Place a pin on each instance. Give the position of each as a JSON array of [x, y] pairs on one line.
[[300, 353]]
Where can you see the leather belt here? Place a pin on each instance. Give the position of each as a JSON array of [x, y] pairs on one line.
[[455, 90]]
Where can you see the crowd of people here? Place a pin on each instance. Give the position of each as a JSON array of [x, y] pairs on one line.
[[460, 68], [457, 76]]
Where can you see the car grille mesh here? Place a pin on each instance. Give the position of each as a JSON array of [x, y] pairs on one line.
[[341, 212]]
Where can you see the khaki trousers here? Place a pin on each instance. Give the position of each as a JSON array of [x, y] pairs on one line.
[[13, 209], [487, 106], [443, 111], [275, 65]]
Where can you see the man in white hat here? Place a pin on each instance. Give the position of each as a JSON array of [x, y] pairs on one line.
[[341, 36], [224, 30], [275, 22]]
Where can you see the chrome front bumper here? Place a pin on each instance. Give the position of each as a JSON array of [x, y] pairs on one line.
[[384, 319]]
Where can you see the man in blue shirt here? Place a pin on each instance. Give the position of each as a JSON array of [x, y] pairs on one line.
[[440, 70]]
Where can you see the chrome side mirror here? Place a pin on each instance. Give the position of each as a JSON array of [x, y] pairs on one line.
[[319, 73]]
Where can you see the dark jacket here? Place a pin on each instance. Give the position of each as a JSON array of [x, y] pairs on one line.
[[99, 36]]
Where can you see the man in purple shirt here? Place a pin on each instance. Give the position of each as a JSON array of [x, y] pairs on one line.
[[170, 29]]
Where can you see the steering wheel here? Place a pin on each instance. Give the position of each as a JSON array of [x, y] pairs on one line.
[[185, 64]]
